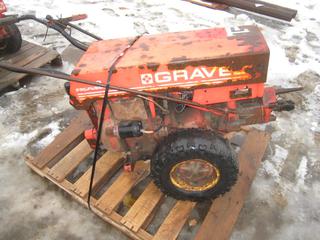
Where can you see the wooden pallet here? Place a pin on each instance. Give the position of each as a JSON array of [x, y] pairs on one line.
[[30, 55], [60, 160]]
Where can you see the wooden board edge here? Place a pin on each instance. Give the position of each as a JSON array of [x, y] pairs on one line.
[[114, 218], [203, 233]]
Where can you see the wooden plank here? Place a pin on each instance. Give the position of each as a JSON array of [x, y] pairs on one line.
[[14, 57], [24, 52], [174, 222], [62, 143], [114, 219], [25, 46], [106, 165], [122, 185], [218, 223], [24, 59], [141, 210], [30, 55], [38, 60], [224, 211], [67, 164]]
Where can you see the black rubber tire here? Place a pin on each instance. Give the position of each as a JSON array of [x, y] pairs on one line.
[[194, 144], [14, 42]]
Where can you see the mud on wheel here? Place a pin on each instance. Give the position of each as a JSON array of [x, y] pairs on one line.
[[194, 164]]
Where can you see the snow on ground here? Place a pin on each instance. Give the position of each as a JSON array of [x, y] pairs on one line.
[[284, 200]]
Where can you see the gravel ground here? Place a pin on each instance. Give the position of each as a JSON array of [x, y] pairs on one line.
[[284, 199]]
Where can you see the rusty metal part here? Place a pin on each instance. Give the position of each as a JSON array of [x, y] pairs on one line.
[[261, 7], [216, 6], [194, 175], [163, 109], [66, 77], [128, 109], [287, 90], [67, 20], [247, 112]]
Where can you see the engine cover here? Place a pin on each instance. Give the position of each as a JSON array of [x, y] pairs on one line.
[[226, 58]]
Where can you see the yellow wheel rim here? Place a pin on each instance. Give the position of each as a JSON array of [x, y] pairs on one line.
[[194, 175]]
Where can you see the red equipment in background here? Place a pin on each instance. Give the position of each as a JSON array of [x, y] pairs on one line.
[[3, 8], [10, 36]]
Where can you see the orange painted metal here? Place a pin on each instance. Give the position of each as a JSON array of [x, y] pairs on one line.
[[225, 59], [223, 68]]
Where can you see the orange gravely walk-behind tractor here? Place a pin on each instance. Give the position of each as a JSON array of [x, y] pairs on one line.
[[224, 70], [171, 98]]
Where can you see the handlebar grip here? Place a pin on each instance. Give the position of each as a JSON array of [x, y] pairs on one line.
[[78, 17]]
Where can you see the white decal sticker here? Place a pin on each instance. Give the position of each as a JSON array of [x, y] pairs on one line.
[[233, 31], [146, 78]]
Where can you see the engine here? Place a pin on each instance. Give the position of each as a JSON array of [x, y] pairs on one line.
[[225, 68]]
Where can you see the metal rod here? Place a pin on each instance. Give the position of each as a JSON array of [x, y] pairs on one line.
[[260, 7], [63, 76], [288, 90], [84, 31], [215, 6]]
